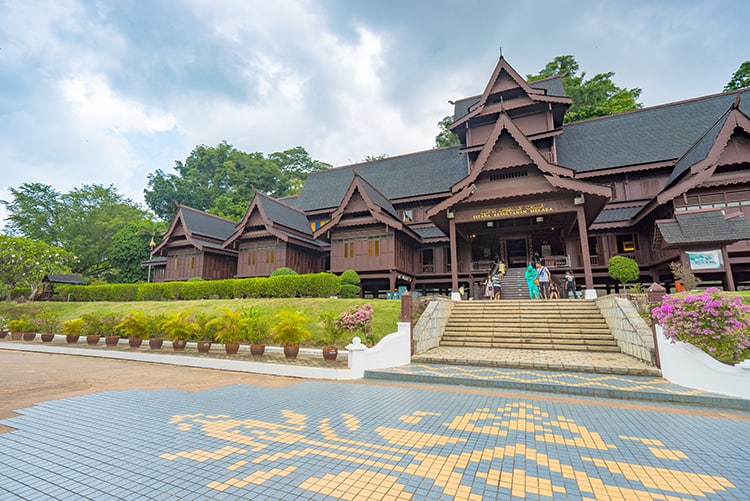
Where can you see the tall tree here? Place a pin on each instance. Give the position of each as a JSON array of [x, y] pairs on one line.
[[740, 79], [596, 97], [446, 137], [295, 164], [24, 262], [220, 179], [82, 221], [132, 245]]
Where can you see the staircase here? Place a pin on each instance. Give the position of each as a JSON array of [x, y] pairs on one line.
[[514, 284], [564, 324]]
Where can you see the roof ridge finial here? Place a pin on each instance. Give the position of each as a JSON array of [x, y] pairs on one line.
[[501, 52]]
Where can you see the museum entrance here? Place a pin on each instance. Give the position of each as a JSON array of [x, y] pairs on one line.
[[516, 252]]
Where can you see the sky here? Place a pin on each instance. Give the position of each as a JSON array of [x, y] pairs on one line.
[[107, 92]]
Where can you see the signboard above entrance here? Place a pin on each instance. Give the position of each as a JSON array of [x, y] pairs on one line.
[[513, 211]]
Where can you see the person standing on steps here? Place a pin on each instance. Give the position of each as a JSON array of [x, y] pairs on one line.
[[570, 285], [531, 281], [543, 276]]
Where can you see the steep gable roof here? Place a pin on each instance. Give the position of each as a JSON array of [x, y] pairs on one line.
[[418, 174], [704, 227], [643, 136], [202, 230]]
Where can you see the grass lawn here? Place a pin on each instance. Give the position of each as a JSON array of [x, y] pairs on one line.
[[386, 313]]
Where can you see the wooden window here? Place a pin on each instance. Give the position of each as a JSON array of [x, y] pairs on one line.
[[192, 263]]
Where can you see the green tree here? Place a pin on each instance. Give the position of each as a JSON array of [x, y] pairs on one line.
[[220, 179], [596, 97], [82, 221], [24, 262], [740, 79], [132, 245], [34, 212], [295, 164], [446, 137], [623, 269], [373, 158]]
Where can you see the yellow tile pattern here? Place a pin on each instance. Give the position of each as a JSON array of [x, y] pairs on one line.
[[396, 451]]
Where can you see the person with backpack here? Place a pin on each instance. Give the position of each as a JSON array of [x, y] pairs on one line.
[[542, 273]]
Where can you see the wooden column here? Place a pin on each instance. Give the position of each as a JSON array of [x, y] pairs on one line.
[[583, 234], [727, 268], [454, 255]]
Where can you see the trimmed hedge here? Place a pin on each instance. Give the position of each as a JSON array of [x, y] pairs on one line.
[[311, 285]]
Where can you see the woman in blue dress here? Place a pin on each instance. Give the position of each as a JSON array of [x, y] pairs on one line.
[[531, 276]]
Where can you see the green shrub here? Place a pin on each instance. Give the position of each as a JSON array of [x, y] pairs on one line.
[[283, 271], [623, 269], [348, 291], [350, 277]]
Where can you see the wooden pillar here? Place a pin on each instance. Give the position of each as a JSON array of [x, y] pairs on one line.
[[392, 280], [454, 255], [727, 268], [583, 234]]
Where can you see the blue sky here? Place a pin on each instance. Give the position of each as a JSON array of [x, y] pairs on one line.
[[108, 91]]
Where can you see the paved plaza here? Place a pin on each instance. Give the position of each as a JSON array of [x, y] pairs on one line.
[[186, 433]]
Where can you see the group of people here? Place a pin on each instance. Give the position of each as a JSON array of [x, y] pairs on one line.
[[541, 286]]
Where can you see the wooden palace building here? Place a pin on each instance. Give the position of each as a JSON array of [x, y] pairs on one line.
[[660, 184]]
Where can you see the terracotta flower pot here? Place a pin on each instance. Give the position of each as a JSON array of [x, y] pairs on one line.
[[291, 350], [232, 348], [92, 340], [257, 350], [111, 340], [3, 333], [204, 346], [47, 337], [29, 335], [155, 343], [179, 344], [135, 342], [330, 353], [72, 338], [15, 336]]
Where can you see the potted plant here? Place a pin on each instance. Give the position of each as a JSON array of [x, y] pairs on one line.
[[134, 326], [289, 330], [179, 326], [47, 322], [256, 329], [331, 334], [154, 333], [92, 328], [72, 329], [206, 332], [109, 329], [22, 328], [228, 329]]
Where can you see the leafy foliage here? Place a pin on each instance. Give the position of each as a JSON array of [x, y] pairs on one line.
[[24, 262], [220, 179], [282, 271], [288, 328], [687, 277], [712, 321], [358, 318], [740, 79], [623, 269], [595, 97], [349, 284], [445, 136]]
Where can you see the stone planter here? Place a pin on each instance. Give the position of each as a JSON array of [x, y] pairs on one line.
[[257, 350], [330, 353], [232, 348], [155, 343], [135, 342], [179, 344], [3, 333], [16, 336], [111, 340], [29, 335], [204, 346], [47, 337], [72, 338], [92, 340], [291, 351]]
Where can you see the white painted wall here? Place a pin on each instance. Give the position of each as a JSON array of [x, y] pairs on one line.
[[686, 365]]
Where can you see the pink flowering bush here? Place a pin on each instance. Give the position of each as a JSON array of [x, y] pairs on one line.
[[358, 318], [712, 321]]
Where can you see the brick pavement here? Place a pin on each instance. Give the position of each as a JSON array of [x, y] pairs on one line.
[[369, 440]]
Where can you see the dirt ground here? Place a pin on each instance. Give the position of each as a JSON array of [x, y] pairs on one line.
[[28, 378]]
